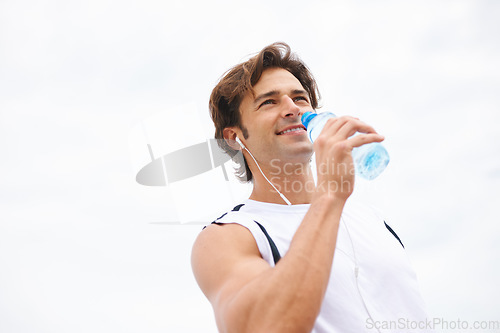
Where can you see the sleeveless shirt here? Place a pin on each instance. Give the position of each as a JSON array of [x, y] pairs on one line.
[[372, 286]]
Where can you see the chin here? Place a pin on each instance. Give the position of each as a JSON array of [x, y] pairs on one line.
[[302, 154]]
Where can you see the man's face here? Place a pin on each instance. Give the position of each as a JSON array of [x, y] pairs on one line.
[[270, 113]]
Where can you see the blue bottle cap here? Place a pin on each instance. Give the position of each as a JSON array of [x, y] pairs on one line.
[[307, 117]]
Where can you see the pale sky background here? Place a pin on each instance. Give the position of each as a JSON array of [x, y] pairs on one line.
[[83, 248]]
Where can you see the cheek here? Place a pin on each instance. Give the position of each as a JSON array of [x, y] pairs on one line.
[[260, 125], [244, 130]]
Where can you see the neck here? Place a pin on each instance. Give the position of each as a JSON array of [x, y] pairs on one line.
[[294, 181]]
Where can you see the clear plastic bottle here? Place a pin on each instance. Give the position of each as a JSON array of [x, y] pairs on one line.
[[369, 159]]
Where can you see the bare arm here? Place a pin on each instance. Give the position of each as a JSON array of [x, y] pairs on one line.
[[246, 293]]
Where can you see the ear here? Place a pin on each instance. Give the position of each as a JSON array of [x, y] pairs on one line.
[[230, 134]]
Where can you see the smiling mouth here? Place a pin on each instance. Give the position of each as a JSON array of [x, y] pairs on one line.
[[295, 130]]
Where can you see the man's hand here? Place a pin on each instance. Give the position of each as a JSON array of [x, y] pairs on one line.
[[333, 149]]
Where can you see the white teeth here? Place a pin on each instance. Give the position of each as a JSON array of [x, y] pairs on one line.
[[291, 130]]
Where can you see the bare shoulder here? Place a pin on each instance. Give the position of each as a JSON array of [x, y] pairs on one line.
[[224, 258]]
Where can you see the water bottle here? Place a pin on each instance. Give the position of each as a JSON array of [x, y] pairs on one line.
[[369, 159]]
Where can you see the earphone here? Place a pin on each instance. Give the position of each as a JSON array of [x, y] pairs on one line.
[[241, 144], [274, 187]]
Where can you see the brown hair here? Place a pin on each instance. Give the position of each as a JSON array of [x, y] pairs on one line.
[[228, 93]]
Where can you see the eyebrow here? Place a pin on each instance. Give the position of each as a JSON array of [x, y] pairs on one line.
[[264, 96], [276, 92]]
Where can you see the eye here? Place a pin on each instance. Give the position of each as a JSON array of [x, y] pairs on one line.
[[266, 102], [301, 98]]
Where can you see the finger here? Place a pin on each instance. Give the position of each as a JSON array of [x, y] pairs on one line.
[[353, 126], [362, 139], [333, 125]]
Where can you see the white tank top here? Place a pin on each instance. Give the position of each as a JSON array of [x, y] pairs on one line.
[[372, 286]]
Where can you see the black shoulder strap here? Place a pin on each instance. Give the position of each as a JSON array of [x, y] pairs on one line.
[[394, 234], [237, 208], [274, 249]]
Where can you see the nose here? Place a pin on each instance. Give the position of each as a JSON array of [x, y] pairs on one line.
[[290, 109]]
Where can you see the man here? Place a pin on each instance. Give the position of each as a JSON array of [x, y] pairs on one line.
[[297, 257]]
